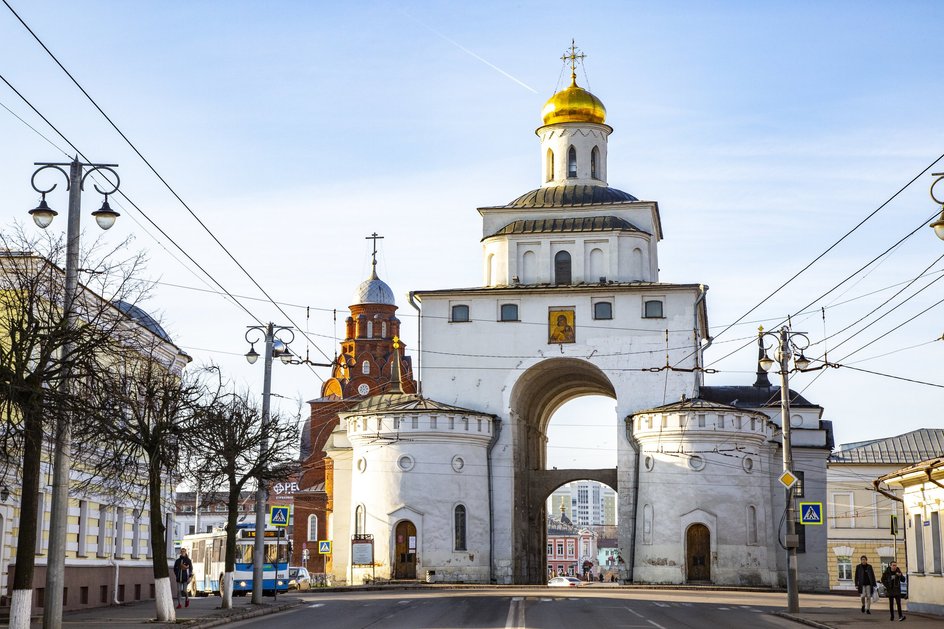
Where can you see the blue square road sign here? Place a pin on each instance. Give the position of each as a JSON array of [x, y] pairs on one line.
[[811, 513]]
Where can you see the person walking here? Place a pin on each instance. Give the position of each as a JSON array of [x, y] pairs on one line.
[[183, 570], [892, 579], [865, 583]]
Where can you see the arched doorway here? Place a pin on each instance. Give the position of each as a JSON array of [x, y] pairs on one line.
[[405, 552], [537, 394], [698, 553], [582, 534]]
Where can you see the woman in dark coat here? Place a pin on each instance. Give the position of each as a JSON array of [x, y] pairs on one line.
[[865, 583], [892, 579]]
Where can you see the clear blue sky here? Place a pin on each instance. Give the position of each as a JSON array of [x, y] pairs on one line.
[[764, 130]]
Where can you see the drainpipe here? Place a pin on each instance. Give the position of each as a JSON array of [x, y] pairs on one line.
[[702, 294], [632, 545], [419, 343], [496, 433]]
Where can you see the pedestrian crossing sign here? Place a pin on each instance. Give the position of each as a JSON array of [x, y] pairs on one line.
[[811, 513], [324, 547], [278, 516]]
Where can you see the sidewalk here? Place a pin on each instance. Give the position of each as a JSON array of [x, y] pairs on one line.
[[203, 612], [849, 616]]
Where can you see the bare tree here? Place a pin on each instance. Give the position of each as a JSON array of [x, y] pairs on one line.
[[145, 410], [42, 348], [224, 451]]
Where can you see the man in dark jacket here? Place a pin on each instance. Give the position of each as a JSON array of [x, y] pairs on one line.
[[183, 570], [892, 579], [865, 583]]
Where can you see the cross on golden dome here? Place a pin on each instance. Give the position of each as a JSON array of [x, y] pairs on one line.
[[573, 56]]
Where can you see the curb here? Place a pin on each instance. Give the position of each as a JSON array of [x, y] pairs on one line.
[[802, 621], [253, 613]]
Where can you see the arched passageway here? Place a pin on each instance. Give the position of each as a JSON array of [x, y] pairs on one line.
[[538, 393]]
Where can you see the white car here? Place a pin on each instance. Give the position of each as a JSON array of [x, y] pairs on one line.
[[564, 582]]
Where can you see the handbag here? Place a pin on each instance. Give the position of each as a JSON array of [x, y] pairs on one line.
[[875, 595]]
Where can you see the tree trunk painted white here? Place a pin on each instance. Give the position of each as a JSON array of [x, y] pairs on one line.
[[164, 601], [20, 608], [226, 591]]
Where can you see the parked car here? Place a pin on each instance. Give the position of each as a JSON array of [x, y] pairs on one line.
[[564, 582], [299, 578]]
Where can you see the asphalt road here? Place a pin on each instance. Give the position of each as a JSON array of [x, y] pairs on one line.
[[531, 608]]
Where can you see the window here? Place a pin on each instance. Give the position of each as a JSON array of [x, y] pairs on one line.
[[653, 309], [844, 564], [370, 329], [460, 313], [594, 160], [383, 329], [365, 368], [119, 532], [603, 310], [751, 525], [843, 511], [550, 549], [936, 542], [798, 488], [83, 528], [562, 268], [359, 520], [460, 527], [313, 528], [919, 544], [509, 312], [550, 165], [572, 162], [560, 549]]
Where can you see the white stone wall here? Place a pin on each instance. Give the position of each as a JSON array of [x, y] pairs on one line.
[[420, 467], [715, 475]]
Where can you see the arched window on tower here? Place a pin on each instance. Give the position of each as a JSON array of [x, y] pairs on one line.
[[550, 165], [572, 162], [313, 528], [562, 268], [460, 543], [383, 330], [594, 163], [365, 368], [370, 329]]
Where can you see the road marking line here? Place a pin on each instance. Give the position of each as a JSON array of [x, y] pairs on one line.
[[633, 611], [521, 624], [654, 623], [317, 605]]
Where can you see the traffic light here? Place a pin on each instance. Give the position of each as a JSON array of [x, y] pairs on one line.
[[893, 525]]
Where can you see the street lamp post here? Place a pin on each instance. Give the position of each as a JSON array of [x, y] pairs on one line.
[[62, 466], [786, 346], [273, 347], [938, 225]]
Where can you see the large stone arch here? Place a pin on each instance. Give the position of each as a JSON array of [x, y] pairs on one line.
[[536, 395]]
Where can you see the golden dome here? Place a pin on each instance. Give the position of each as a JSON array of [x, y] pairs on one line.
[[573, 104]]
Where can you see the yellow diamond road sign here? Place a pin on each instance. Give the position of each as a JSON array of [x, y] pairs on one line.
[[787, 479]]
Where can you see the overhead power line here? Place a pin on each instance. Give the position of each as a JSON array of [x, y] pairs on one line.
[[163, 181]]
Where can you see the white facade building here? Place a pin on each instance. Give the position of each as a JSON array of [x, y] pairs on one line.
[[571, 305]]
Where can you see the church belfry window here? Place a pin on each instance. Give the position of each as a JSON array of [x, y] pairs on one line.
[[383, 329], [572, 162], [460, 543], [550, 165], [562, 267], [594, 161], [365, 368], [370, 329]]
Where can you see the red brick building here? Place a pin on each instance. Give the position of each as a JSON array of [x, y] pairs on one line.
[[364, 368]]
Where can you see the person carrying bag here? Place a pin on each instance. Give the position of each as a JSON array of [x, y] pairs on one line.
[[865, 584]]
